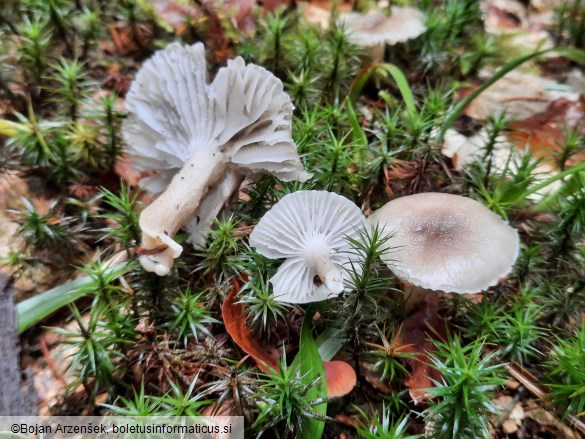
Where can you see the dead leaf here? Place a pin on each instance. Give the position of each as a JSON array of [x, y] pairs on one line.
[[373, 377], [272, 5], [543, 132], [124, 169], [128, 39], [176, 14], [512, 413], [117, 82], [548, 422], [315, 14], [521, 95], [236, 326], [241, 12], [501, 16], [416, 333]]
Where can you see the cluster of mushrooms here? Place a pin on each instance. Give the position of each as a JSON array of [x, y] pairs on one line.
[[196, 141]]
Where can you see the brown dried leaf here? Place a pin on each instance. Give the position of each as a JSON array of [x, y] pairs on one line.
[[176, 14], [415, 335], [124, 169], [128, 39], [236, 326], [542, 132], [548, 422], [522, 95]]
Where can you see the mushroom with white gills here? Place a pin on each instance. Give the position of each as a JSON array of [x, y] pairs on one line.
[[446, 242], [200, 139], [310, 230], [375, 29]]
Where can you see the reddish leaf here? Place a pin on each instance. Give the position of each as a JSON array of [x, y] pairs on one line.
[[128, 39], [543, 132], [241, 11], [124, 169], [236, 326], [176, 14], [415, 335], [272, 5]]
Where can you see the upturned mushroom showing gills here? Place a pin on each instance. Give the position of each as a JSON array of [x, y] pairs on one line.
[[446, 242], [198, 140], [309, 229]]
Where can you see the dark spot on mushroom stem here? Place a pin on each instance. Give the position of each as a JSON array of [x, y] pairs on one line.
[[197, 219], [153, 251], [317, 281], [166, 232], [182, 178]]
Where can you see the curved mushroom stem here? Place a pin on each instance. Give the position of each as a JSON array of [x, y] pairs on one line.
[[161, 220], [327, 271]]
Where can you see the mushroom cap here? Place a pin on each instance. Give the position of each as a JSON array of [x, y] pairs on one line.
[[301, 226], [174, 112], [340, 378], [374, 28], [446, 242]]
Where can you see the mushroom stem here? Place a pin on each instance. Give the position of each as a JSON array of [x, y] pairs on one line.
[[326, 270], [413, 296], [161, 220], [377, 52], [216, 199]]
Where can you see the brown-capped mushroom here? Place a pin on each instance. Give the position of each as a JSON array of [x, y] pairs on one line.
[[446, 242]]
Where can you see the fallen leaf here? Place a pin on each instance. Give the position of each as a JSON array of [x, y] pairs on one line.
[[548, 421], [124, 169], [372, 376], [236, 326], [241, 13], [513, 16], [128, 39], [117, 82], [315, 14], [175, 13], [272, 5], [521, 95], [502, 16], [347, 420], [543, 132], [415, 336]]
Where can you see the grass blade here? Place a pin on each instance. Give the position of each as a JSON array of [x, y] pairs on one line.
[[569, 52], [31, 311], [311, 365], [403, 86]]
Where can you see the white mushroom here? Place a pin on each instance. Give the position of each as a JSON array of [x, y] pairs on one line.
[[201, 140], [309, 229], [374, 29], [446, 242]]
